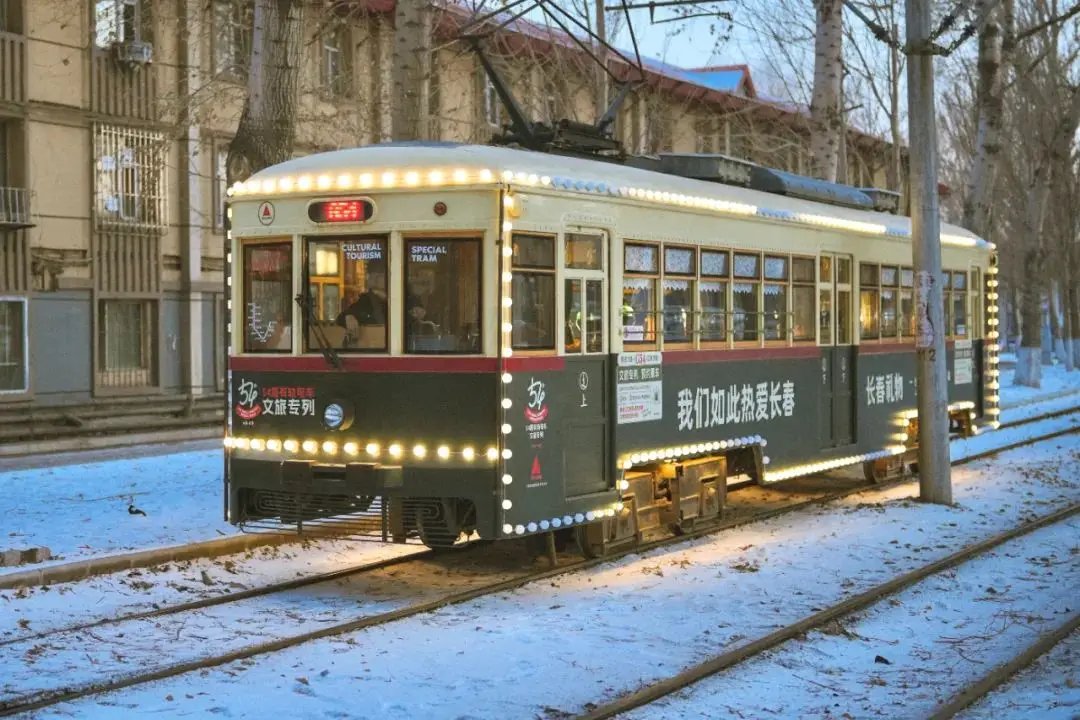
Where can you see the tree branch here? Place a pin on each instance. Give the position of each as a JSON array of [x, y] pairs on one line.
[[1060, 18]]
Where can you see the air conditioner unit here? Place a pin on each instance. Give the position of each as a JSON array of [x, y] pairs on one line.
[[134, 52]]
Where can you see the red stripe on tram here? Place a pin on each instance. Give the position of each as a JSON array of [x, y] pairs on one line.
[[682, 357]]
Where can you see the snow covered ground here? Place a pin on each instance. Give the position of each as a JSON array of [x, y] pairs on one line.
[[910, 652], [552, 647], [82, 510]]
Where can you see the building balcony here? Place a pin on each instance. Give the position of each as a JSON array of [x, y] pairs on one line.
[[12, 68], [14, 208]]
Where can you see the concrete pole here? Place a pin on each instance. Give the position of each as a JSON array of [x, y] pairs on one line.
[[935, 472]]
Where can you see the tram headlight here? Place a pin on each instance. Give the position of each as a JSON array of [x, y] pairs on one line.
[[337, 416]]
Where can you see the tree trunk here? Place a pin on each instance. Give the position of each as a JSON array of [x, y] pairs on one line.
[[411, 68], [1028, 367], [1068, 317], [825, 101], [895, 171], [1074, 302], [1056, 322], [267, 129], [989, 107]]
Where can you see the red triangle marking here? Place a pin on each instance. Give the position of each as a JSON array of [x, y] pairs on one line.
[[266, 211], [536, 466]]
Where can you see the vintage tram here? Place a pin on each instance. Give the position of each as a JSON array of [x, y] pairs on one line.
[[441, 341]]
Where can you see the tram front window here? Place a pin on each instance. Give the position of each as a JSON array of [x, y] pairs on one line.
[[347, 288], [267, 297], [442, 296]]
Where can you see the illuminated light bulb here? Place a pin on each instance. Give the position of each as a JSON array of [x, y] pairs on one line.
[[304, 183], [419, 451], [506, 429], [579, 517], [310, 446], [903, 437], [507, 277], [329, 447], [635, 459], [507, 226], [507, 479], [995, 425], [268, 185], [273, 445], [520, 176], [469, 454], [506, 504], [590, 516], [286, 184], [241, 443], [619, 506], [395, 450], [508, 327], [545, 180], [506, 378], [507, 529], [507, 453], [520, 529], [388, 179], [492, 453], [228, 442], [351, 448], [627, 464], [765, 460], [508, 201], [435, 177], [532, 527], [367, 180], [556, 522], [507, 403], [460, 176], [344, 181], [532, 179], [372, 449], [507, 251], [544, 524], [412, 178], [486, 176], [508, 351], [291, 446], [323, 182], [443, 452], [507, 176], [653, 455]]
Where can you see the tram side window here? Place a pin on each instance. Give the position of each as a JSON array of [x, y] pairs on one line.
[[715, 270], [346, 285], [641, 270], [679, 271], [959, 305], [907, 302], [890, 279], [744, 297], [775, 316], [533, 292], [869, 294], [802, 298], [442, 296], [268, 297], [974, 306]]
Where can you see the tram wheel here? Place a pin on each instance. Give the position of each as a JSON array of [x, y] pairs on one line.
[[591, 543], [441, 525]]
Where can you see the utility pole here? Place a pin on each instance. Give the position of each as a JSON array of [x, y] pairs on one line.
[[935, 472], [601, 52]]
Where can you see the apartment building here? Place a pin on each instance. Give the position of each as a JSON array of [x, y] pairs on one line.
[[116, 117]]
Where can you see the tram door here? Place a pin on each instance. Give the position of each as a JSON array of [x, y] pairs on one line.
[[586, 439], [837, 408]]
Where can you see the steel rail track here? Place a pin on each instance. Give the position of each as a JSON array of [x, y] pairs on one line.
[[231, 597], [50, 698], [755, 648], [996, 677]]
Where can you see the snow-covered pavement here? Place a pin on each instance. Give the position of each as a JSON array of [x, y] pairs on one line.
[[555, 646], [911, 651]]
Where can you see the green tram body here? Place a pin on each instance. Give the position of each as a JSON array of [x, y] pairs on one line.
[[610, 429]]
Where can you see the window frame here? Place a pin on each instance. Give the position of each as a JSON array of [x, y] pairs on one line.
[[239, 13], [245, 292], [759, 297], [906, 289], [306, 282], [553, 273], [865, 286], [784, 283], [895, 288], [337, 85], [812, 284], [691, 277], [129, 379], [406, 240], [651, 314], [724, 280], [221, 182], [25, 302]]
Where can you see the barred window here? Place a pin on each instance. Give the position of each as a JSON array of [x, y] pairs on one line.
[[13, 366], [127, 343], [121, 21], [130, 186], [334, 62]]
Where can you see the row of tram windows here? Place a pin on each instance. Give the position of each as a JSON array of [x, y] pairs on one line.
[[887, 305], [346, 284]]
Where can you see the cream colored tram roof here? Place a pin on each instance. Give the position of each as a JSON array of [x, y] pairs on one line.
[[427, 164]]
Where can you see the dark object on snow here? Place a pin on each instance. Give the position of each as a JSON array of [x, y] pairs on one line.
[[881, 661], [132, 510]]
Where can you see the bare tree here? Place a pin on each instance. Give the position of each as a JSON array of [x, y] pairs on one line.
[[267, 129], [825, 109]]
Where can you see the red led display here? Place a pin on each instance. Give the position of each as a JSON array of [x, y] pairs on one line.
[[340, 211]]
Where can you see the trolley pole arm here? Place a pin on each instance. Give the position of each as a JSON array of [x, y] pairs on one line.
[[329, 354]]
